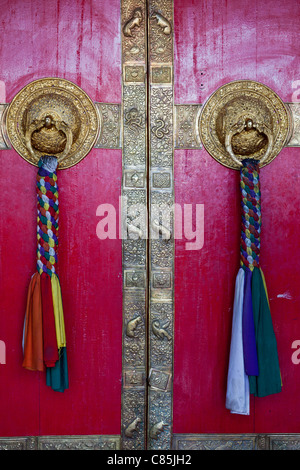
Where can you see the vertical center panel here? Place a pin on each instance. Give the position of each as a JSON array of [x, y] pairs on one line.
[[161, 226], [134, 222]]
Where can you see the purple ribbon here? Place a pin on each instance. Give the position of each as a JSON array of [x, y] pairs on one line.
[[249, 341]]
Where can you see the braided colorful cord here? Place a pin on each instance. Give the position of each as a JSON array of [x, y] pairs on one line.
[[47, 219], [251, 214]]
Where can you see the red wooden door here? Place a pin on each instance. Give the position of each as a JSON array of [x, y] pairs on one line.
[[215, 43], [77, 41]]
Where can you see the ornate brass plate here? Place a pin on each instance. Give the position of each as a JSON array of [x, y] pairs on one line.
[[244, 119], [53, 116]]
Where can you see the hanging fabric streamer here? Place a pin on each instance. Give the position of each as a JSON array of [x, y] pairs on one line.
[[44, 339], [253, 361]]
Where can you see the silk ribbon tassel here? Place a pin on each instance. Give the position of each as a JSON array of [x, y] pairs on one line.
[[33, 327], [237, 396], [44, 341], [259, 347]]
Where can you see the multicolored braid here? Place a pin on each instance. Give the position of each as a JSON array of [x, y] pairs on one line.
[[47, 217], [251, 214]]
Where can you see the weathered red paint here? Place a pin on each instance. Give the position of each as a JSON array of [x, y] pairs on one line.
[[78, 41], [217, 42]]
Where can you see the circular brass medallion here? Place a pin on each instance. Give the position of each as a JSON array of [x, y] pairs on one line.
[[243, 119], [53, 116]]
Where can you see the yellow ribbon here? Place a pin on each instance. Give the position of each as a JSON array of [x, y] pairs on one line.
[[58, 312]]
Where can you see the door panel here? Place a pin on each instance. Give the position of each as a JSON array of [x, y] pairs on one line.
[[78, 41], [214, 44]]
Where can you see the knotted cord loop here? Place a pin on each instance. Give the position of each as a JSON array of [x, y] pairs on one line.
[[251, 214], [47, 215]]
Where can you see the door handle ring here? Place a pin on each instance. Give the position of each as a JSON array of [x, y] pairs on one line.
[[47, 122], [248, 124], [53, 116]]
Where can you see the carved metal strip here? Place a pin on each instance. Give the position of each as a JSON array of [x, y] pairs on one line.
[[186, 126], [186, 118], [4, 140], [294, 109], [61, 443], [184, 442], [284, 441], [110, 136], [161, 240], [134, 221], [190, 442]]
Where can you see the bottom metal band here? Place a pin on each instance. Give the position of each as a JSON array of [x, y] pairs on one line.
[[184, 442]]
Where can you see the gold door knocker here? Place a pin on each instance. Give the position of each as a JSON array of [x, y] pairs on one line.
[[53, 116], [244, 119], [54, 135], [247, 125]]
